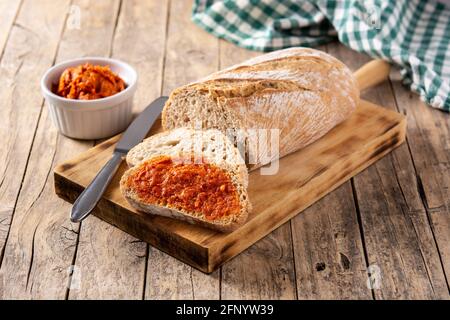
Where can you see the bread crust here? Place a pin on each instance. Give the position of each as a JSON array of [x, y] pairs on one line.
[[300, 91]]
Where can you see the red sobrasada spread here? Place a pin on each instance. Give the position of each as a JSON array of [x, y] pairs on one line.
[[195, 187], [88, 82]]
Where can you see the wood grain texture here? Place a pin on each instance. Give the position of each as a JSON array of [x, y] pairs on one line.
[[27, 55], [40, 228], [347, 149], [266, 269], [429, 171], [190, 54], [396, 230], [329, 257], [9, 10], [113, 263], [263, 271]]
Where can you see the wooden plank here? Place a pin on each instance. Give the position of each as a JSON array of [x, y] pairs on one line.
[[26, 57], [397, 233], [266, 269], [112, 261], [190, 55], [346, 150], [329, 256], [429, 143], [42, 241], [263, 271], [97, 280], [9, 10]]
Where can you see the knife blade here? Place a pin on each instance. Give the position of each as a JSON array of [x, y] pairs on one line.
[[134, 134]]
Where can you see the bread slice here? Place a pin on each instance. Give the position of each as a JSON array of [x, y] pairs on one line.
[[208, 149], [303, 93], [210, 144]]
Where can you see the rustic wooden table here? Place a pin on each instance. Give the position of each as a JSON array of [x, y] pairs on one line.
[[391, 221]]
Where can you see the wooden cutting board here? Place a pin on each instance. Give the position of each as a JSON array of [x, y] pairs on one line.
[[303, 178]]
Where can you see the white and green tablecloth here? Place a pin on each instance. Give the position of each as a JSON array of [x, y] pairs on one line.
[[414, 35]]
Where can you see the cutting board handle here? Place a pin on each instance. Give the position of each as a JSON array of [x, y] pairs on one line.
[[372, 73]]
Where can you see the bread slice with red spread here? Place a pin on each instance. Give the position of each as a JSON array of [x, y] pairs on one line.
[[194, 176], [212, 144]]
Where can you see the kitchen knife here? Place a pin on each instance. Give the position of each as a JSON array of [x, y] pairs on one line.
[[135, 133]]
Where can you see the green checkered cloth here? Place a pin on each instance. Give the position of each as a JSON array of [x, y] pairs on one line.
[[414, 35]]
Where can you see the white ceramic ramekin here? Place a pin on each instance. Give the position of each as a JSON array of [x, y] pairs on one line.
[[91, 119]]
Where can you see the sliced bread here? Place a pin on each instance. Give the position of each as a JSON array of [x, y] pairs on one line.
[[195, 176], [210, 144]]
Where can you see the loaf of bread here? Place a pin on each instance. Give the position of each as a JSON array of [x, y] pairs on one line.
[[303, 93], [195, 176]]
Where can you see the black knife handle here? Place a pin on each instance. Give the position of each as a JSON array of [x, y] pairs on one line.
[[89, 198]]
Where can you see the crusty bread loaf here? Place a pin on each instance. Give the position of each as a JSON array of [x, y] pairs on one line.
[[208, 146], [300, 91]]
